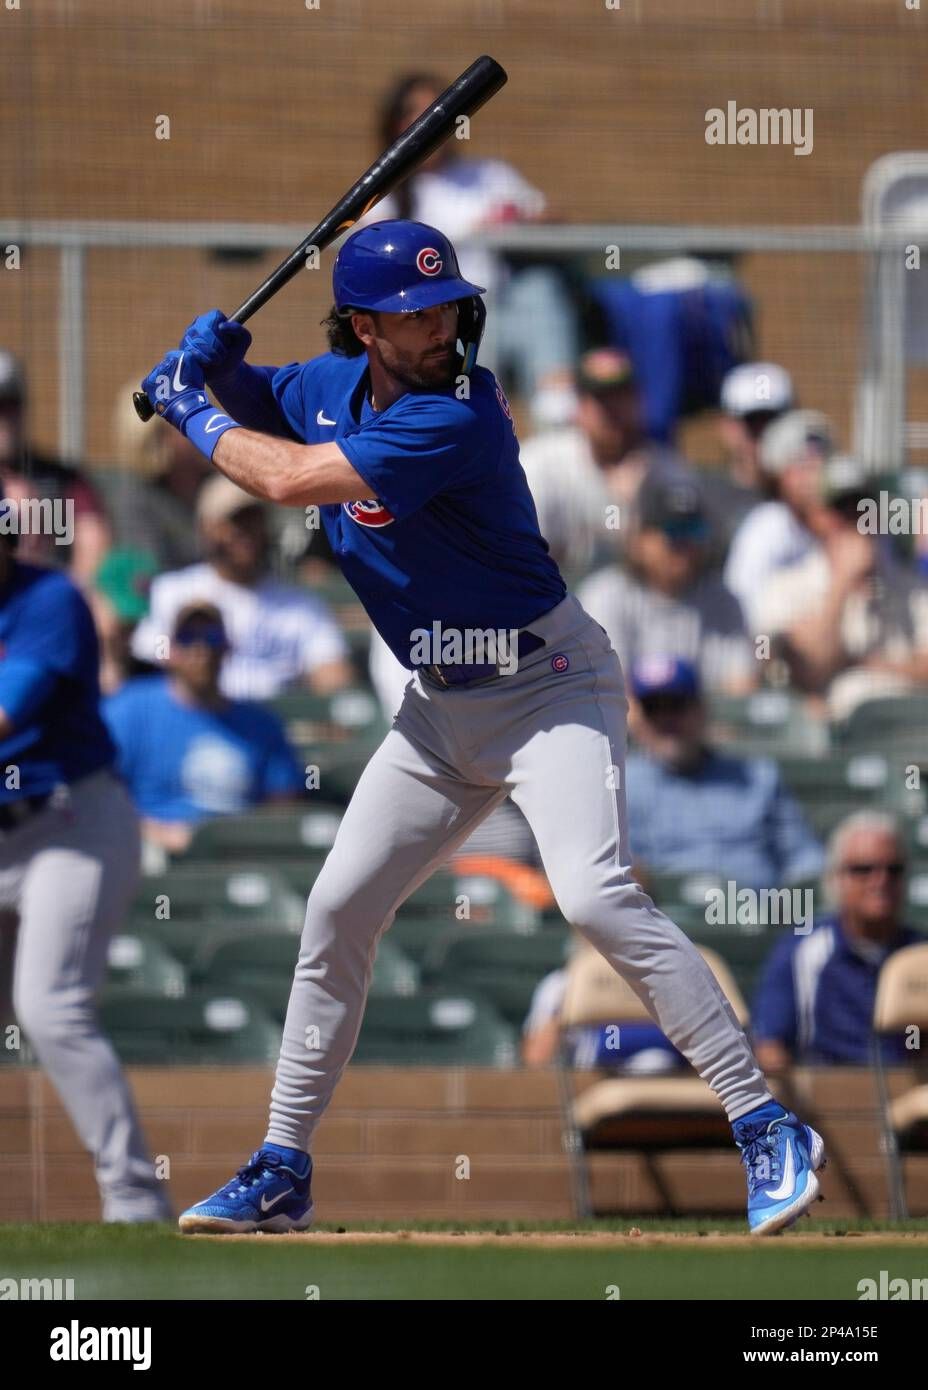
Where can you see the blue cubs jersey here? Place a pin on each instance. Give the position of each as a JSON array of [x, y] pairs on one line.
[[48, 685], [453, 536]]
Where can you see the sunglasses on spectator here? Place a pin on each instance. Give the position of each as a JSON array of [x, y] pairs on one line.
[[895, 870], [207, 636]]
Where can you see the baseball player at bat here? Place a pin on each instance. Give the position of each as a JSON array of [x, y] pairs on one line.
[[69, 864], [409, 450]]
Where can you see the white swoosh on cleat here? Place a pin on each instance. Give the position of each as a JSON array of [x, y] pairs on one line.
[[789, 1177], [266, 1205]]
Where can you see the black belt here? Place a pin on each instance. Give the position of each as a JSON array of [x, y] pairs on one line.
[[13, 814], [526, 642]]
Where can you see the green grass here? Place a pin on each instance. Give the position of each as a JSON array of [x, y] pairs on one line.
[[152, 1262]]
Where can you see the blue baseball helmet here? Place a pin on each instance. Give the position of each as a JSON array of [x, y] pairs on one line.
[[399, 266]]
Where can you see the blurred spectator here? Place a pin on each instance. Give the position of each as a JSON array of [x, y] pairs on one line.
[[666, 599], [643, 1049], [849, 619], [185, 751], [777, 532], [279, 635], [152, 498], [32, 476], [815, 1000], [577, 473], [531, 326], [753, 395], [691, 808], [119, 601]]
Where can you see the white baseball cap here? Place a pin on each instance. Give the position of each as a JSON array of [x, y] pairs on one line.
[[787, 439], [757, 386]]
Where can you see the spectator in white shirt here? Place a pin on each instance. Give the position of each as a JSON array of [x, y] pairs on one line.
[[531, 326], [849, 619], [584, 478], [667, 599], [779, 532], [279, 635]]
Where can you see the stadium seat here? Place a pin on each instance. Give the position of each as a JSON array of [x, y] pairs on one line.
[[263, 966], [266, 835], [489, 902], [194, 891], [503, 966], [645, 1114], [879, 723], [202, 1028], [139, 961], [435, 1028], [831, 788], [766, 722], [901, 1004]]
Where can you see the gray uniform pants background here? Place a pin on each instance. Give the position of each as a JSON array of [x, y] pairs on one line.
[[67, 877], [554, 740]]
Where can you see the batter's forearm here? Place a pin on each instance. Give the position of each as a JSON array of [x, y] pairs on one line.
[[292, 475]]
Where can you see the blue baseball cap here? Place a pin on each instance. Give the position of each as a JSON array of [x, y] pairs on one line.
[[664, 675]]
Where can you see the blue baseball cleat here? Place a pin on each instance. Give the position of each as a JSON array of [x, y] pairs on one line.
[[270, 1193], [781, 1156]]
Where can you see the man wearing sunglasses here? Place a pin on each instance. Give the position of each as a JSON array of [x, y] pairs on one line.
[[188, 752], [815, 1001]]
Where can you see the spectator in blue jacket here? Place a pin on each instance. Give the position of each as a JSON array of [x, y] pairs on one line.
[[815, 1000], [185, 750], [693, 809]]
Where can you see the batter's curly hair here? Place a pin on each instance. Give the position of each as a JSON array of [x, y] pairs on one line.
[[342, 337]]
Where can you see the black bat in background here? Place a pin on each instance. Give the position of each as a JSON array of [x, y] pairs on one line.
[[481, 81]]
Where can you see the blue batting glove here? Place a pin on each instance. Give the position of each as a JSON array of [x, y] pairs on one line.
[[176, 391], [218, 344]]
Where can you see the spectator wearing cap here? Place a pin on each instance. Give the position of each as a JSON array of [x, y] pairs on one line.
[[780, 532], [667, 598], [814, 1003], [693, 809], [33, 477], [279, 635], [753, 396], [186, 751], [849, 619], [584, 477], [153, 487]]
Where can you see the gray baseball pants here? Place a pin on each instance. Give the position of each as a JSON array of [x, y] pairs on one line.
[[67, 876], [552, 735]]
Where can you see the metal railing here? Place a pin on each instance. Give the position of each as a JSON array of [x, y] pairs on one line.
[[73, 239]]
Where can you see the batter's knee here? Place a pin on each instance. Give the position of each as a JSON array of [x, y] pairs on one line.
[[50, 1019], [598, 904]]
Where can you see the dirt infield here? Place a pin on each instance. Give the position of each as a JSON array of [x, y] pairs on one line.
[[604, 1240]]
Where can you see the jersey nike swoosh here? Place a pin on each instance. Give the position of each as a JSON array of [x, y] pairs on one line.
[[321, 420], [789, 1177], [266, 1205]]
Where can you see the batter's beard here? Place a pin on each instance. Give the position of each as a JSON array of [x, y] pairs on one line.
[[421, 374]]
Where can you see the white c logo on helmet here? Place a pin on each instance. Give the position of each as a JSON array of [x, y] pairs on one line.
[[428, 261]]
